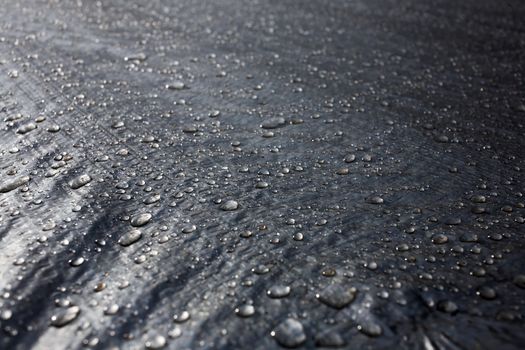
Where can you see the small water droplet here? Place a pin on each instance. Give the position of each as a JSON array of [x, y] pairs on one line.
[[65, 317], [140, 219], [289, 333], [278, 291], [156, 342], [245, 310], [80, 181], [229, 205], [337, 296], [130, 238]]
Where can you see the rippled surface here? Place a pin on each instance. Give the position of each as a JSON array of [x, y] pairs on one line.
[[258, 174]]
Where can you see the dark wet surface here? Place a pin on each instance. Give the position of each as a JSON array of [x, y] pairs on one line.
[[257, 174]]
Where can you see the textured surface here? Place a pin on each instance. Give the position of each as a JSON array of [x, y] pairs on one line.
[[255, 174]]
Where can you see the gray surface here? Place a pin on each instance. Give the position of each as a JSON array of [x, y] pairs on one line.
[[428, 96]]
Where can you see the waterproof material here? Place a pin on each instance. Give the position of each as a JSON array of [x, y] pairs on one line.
[[227, 174]]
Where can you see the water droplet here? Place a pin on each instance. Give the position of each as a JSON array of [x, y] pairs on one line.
[[156, 342], [337, 296], [290, 333], [176, 85], [80, 181], [182, 317], [375, 200], [350, 158], [245, 310], [175, 332], [478, 199], [439, 239], [111, 310], [447, 306], [77, 261], [214, 114], [298, 236], [229, 205], [152, 199], [343, 171], [140, 219], [329, 339], [24, 129], [139, 56], [246, 234], [370, 328], [130, 238], [278, 291], [189, 228], [261, 184], [99, 287], [6, 314], [273, 123], [65, 317], [487, 293], [14, 184]]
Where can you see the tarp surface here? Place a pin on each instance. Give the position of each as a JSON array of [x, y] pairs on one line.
[[228, 174]]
